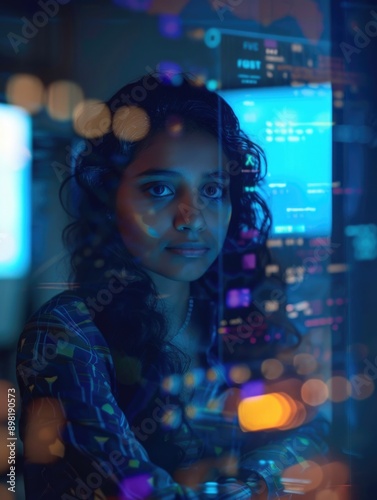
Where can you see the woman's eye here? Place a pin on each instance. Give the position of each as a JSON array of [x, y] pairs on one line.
[[215, 191], [159, 190]]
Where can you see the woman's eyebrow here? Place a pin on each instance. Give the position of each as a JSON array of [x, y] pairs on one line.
[[172, 173]]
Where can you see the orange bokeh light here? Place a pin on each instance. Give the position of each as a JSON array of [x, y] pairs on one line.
[[272, 368], [302, 478], [339, 389], [212, 375], [336, 474], [45, 421], [4, 386], [305, 363], [62, 98], [91, 119], [239, 374], [131, 123], [26, 91], [298, 416], [314, 392], [268, 411]]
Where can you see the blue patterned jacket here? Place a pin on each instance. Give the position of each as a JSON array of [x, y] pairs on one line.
[[88, 435]]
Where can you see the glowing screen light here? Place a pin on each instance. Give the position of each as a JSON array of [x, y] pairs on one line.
[[15, 168], [294, 128], [238, 297]]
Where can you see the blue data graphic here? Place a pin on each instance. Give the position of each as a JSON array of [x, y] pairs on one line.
[[294, 127]]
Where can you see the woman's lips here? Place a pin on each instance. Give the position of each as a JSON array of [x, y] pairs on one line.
[[188, 252]]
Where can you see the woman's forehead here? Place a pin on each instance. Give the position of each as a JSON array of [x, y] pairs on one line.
[[191, 149]]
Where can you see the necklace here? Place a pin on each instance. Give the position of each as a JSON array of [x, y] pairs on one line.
[[188, 317]]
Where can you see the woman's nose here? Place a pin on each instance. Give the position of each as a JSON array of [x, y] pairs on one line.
[[188, 214]]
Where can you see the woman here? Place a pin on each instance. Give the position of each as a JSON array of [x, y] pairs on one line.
[[124, 393]]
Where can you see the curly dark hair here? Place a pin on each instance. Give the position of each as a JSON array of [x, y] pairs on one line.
[[93, 240]]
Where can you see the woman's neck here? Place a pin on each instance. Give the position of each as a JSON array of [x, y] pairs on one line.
[[173, 301], [175, 309]]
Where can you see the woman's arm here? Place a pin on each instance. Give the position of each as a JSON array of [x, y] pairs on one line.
[[77, 441]]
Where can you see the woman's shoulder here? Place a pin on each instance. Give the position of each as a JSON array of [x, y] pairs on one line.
[[65, 319], [69, 307], [61, 344]]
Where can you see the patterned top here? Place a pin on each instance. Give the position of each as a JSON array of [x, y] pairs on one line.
[[85, 437]]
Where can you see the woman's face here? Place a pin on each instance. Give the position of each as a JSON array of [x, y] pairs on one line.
[[173, 205]]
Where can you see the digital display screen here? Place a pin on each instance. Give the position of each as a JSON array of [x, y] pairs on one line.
[[15, 189], [293, 125]]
